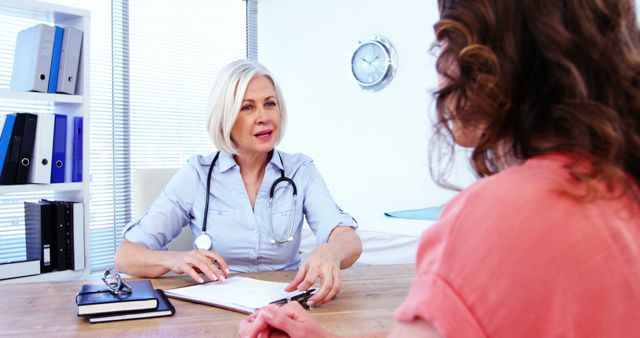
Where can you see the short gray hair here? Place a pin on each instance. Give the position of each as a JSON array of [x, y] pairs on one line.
[[226, 98]]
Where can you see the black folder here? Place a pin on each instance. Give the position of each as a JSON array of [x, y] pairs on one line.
[[62, 224], [39, 231], [68, 234], [10, 165], [26, 148], [73, 262]]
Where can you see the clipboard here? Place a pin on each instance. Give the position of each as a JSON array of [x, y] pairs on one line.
[[241, 294]]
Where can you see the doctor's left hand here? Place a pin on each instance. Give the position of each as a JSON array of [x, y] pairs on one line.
[[323, 263]]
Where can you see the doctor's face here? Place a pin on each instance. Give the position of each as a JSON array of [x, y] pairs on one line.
[[257, 127]]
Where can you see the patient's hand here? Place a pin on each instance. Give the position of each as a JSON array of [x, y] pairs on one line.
[[290, 320], [199, 261]]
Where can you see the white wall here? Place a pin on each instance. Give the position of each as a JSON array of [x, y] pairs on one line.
[[370, 147]]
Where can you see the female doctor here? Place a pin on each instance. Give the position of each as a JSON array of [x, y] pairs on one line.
[[244, 203]]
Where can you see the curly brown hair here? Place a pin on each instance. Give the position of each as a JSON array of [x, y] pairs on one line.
[[542, 76]]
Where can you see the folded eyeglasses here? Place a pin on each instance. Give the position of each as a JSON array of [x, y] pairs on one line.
[[115, 285]]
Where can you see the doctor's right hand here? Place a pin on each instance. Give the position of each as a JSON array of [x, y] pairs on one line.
[[199, 261]]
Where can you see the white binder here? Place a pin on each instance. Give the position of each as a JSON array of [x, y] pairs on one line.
[[32, 60], [40, 168], [78, 236], [69, 60]]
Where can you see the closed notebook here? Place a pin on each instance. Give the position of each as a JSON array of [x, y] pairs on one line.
[[91, 301], [165, 308]]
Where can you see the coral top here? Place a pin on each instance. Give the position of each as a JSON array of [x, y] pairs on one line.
[[513, 257]]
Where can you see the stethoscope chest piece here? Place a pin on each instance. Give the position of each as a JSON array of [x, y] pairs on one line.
[[203, 241], [278, 241]]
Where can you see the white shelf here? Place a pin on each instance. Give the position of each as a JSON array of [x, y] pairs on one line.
[[8, 189], [55, 276], [42, 11], [34, 96]]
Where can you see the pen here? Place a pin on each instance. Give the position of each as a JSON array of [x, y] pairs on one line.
[[300, 298]]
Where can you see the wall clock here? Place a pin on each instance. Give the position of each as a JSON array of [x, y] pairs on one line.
[[373, 63]]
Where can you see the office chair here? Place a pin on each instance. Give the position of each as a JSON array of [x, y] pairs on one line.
[[147, 185]]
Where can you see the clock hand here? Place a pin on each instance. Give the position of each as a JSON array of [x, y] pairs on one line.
[[365, 60]]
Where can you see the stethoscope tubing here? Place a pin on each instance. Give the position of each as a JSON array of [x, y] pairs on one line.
[[282, 178]]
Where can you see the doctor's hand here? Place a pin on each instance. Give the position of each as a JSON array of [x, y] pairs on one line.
[[199, 261], [323, 263], [290, 320]]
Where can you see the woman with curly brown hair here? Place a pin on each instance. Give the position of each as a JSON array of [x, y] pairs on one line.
[[547, 93]]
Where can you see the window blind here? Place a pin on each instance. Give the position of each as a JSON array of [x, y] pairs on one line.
[[164, 59], [152, 67], [252, 30]]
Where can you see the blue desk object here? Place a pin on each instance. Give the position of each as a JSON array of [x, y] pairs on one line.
[[425, 214]]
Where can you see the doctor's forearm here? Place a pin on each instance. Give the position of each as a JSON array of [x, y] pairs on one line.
[[136, 260], [348, 243]]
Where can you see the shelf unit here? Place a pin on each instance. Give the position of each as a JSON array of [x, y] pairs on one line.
[[70, 105], [7, 94]]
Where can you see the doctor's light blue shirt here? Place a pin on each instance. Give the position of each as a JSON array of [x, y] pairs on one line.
[[242, 235]]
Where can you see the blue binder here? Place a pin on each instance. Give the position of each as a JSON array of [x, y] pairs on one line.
[[76, 169], [59, 149], [55, 60], [5, 138], [10, 165]]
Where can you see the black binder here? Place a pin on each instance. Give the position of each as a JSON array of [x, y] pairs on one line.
[[40, 228], [62, 224], [10, 165], [70, 237], [68, 233], [26, 148]]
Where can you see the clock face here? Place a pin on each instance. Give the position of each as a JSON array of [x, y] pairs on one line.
[[370, 63], [373, 63]]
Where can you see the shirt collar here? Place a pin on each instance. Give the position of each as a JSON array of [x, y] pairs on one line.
[[275, 159], [226, 160]]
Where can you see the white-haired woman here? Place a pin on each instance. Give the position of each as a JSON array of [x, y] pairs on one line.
[[244, 203]]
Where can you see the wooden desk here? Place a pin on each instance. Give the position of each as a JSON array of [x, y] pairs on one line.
[[366, 303]]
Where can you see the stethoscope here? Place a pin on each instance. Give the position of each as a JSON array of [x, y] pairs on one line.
[[204, 240]]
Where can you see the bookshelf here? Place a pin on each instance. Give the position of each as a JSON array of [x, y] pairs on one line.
[[7, 94], [33, 12]]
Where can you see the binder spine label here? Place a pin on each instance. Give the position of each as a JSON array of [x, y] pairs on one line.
[[46, 254]]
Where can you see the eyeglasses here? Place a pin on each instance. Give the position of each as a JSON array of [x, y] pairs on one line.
[[300, 298], [115, 283]]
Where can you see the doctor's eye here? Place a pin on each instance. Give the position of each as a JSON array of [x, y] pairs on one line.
[[271, 104], [246, 107]]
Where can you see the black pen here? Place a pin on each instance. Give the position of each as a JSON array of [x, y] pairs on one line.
[[300, 298]]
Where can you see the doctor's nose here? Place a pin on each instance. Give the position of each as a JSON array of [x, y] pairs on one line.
[[263, 116]]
